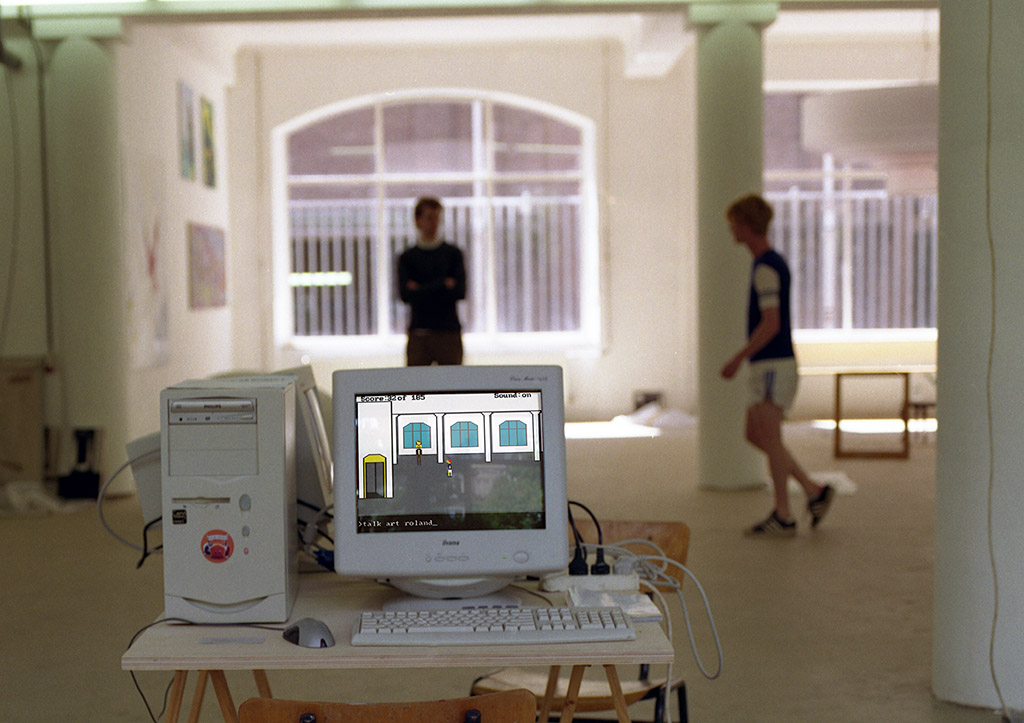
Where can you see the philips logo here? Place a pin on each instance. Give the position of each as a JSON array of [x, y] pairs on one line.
[[450, 542]]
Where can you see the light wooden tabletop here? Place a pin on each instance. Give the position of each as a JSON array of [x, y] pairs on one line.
[[337, 602]]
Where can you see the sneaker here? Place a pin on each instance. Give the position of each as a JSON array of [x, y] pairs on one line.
[[772, 526], [820, 504]]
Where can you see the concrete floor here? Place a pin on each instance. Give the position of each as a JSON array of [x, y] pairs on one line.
[[833, 625]]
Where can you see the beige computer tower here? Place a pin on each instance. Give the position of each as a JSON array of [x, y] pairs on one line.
[[228, 499]]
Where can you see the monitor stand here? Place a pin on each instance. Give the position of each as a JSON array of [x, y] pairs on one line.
[[451, 593]]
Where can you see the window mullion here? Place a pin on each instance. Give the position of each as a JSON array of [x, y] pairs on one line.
[[382, 243], [491, 287], [480, 230]]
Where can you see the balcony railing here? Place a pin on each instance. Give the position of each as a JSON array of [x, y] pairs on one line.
[[522, 259], [860, 259]]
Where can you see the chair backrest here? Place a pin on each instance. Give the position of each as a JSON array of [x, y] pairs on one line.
[[672, 537], [510, 706]]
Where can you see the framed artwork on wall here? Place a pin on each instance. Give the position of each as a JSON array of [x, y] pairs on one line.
[[207, 277], [209, 170], [187, 131]]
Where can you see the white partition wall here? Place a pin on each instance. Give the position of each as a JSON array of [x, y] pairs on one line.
[[979, 539]]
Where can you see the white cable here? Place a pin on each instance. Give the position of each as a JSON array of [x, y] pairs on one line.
[[667, 708], [655, 567], [103, 491]]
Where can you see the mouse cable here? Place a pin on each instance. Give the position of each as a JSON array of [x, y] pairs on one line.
[[183, 621], [103, 491]]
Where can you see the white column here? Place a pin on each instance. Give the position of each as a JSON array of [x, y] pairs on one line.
[[979, 535], [85, 207], [730, 160]]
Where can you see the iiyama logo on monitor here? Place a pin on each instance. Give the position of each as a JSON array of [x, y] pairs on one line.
[[449, 542]]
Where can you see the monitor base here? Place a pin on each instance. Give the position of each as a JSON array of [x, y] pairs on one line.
[[451, 593]]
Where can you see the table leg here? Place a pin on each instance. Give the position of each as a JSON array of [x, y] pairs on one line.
[[616, 687], [549, 695], [262, 684], [177, 693], [197, 697], [572, 695], [227, 706]]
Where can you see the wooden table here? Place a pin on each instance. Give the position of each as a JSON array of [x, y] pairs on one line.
[[337, 602], [905, 404]]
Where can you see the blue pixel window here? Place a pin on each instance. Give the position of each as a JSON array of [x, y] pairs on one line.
[[416, 432], [512, 434], [464, 434]]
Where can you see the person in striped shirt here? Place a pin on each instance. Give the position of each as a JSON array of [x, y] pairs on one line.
[[773, 370]]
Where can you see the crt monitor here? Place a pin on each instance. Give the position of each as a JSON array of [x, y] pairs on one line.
[[449, 481], [314, 469]]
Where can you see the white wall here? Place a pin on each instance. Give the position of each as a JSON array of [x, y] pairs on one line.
[[978, 640], [151, 62], [646, 187]]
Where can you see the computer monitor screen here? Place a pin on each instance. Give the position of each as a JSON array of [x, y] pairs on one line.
[[449, 481]]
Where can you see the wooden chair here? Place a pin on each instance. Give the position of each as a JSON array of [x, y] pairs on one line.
[[510, 706], [674, 540]]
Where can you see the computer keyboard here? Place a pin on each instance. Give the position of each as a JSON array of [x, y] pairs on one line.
[[493, 626]]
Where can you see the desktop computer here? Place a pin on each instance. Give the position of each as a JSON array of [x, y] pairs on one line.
[[228, 499]]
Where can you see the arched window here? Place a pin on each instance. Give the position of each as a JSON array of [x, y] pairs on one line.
[[512, 434], [416, 432], [465, 434], [516, 178]]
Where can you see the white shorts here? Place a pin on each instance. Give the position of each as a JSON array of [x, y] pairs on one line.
[[773, 380]]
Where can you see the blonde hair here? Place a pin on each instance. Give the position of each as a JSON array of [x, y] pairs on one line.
[[753, 211]]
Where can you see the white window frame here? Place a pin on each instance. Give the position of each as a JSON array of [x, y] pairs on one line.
[[835, 242], [587, 339]]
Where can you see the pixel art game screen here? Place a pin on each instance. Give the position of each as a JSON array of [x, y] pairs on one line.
[[449, 461]]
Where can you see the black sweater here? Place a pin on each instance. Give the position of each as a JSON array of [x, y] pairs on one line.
[[432, 305]]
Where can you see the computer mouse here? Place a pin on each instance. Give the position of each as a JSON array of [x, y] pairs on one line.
[[309, 633]]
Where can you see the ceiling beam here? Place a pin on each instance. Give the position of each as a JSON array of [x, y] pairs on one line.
[[208, 10]]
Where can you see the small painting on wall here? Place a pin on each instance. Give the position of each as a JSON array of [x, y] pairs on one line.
[[207, 282], [187, 131], [209, 171]]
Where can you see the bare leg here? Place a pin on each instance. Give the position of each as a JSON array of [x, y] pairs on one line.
[[811, 487], [764, 430]]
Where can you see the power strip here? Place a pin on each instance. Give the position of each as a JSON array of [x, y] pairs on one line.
[[560, 582]]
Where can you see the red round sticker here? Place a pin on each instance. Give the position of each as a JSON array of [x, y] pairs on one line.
[[217, 546]]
